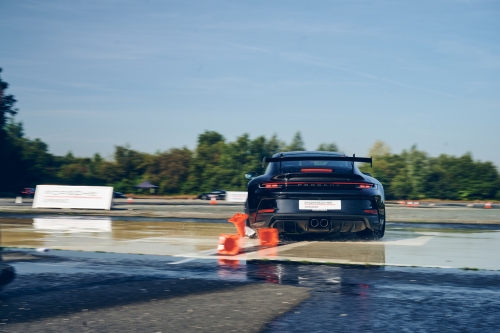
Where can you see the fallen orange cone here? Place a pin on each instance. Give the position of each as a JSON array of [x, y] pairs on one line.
[[228, 245]]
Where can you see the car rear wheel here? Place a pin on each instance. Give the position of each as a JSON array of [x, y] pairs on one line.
[[370, 234], [381, 232]]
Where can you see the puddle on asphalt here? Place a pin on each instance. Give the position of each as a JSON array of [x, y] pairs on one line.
[[163, 238], [405, 244]]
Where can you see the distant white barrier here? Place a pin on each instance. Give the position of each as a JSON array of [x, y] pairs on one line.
[[71, 225], [236, 196], [86, 197]]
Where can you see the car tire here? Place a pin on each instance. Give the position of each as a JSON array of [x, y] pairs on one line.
[[7, 274], [381, 232], [374, 234]]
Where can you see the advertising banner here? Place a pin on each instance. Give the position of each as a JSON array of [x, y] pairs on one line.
[[236, 196], [86, 197]]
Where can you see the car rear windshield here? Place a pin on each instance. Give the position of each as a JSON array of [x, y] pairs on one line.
[[299, 166]]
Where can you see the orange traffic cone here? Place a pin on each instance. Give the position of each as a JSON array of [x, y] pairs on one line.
[[268, 236], [487, 205], [213, 200], [228, 245], [239, 222], [130, 200]]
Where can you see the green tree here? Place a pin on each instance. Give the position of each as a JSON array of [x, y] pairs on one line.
[[379, 149], [274, 145], [297, 143], [204, 170], [7, 108], [417, 164], [328, 147], [170, 170]]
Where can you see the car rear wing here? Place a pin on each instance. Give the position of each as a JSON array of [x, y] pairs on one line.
[[318, 158]]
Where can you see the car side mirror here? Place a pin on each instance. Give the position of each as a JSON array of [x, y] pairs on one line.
[[250, 175]]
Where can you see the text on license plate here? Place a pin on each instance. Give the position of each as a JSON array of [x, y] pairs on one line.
[[320, 204]]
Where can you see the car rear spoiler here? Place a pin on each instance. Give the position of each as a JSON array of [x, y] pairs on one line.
[[318, 158]]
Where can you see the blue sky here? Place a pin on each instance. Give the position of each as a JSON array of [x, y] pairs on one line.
[[90, 75]]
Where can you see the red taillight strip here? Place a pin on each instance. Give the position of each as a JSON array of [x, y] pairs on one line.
[[316, 170], [365, 185], [267, 210], [371, 211]]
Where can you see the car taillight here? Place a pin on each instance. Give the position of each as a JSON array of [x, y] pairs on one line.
[[267, 210], [270, 185], [371, 211], [367, 185]]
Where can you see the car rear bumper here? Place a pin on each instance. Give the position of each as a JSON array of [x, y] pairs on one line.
[[354, 214], [317, 223]]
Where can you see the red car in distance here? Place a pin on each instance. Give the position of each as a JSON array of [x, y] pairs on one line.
[[28, 192]]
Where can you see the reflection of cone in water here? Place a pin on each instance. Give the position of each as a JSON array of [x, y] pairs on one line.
[[229, 262], [268, 236], [239, 222], [213, 200], [228, 245]]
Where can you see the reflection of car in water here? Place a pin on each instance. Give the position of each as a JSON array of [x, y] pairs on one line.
[[324, 277], [217, 194], [317, 193]]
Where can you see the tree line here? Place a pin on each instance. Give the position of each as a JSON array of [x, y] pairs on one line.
[[216, 163]]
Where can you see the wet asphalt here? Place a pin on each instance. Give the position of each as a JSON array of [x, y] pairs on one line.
[[62, 291], [187, 289]]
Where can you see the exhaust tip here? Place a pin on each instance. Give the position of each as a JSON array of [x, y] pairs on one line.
[[323, 223], [314, 223]]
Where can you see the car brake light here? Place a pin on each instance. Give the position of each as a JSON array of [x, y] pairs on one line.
[[270, 185], [316, 170], [267, 210], [371, 211]]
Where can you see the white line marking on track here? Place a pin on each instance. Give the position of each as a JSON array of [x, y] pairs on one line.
[[418, 241]]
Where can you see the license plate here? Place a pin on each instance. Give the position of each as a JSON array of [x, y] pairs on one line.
[[321, 205]]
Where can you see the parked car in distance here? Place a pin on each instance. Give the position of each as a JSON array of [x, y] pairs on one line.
[[119, 195], [217, 194], [28, 192]]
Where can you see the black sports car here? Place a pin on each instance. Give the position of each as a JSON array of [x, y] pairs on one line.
[[316, 193]]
